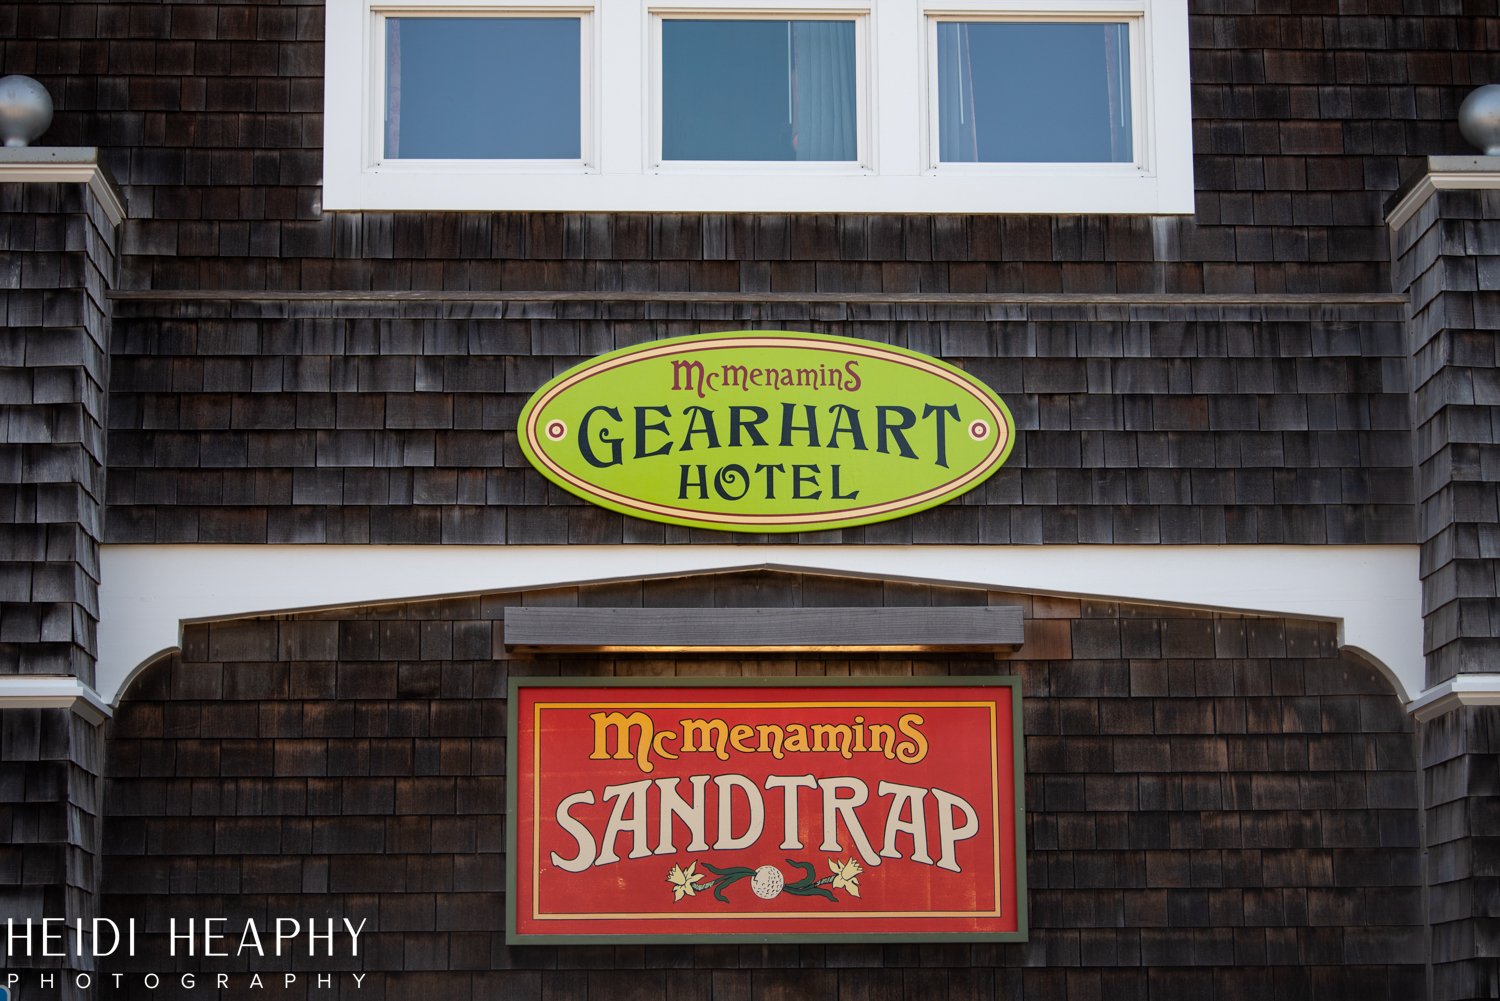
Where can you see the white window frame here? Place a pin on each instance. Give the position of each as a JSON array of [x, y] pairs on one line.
[[588, 140], [771, 10], [621, 168], [1130, 14]]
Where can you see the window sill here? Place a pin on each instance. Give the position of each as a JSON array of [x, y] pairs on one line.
[[1014, 191]]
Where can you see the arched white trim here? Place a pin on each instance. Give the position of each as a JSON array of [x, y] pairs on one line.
[[147, 593]]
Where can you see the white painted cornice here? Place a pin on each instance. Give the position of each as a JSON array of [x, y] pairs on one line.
[[1464, 690], [63, 165], [1444, 173], [52, 692]]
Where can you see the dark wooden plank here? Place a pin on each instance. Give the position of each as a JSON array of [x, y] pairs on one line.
[[929, 628]]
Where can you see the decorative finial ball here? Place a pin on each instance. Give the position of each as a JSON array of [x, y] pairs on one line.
[[25, 110], [1479, 118]]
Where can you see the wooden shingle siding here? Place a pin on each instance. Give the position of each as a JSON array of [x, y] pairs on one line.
[[1461, 759], [1232, 815], [1448, 256], [209, 116], [785, 629], [58, 248], [1221, 807], [394, 422], [50, 801]]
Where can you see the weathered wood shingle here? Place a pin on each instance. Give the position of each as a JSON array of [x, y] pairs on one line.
[[1252, 424], [1233, 817]]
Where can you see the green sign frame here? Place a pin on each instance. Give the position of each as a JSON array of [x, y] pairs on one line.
[[766, 431]]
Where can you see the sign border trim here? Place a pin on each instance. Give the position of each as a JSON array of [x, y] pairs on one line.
[[935, 496], [512, 765]]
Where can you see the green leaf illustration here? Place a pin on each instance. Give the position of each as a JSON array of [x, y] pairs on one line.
[[808, 880]]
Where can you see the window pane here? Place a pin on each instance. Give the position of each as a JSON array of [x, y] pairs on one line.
[[482, 88], [1032, 92], [758, 90]]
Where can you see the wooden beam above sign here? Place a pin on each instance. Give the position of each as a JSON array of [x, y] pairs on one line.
[[718, 629]]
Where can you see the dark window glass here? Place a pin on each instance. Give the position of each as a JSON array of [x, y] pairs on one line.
[[1034, 92], [758, 90], [483, 88]]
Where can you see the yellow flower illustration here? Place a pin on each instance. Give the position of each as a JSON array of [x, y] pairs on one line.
[[846, 875], [683, 881]]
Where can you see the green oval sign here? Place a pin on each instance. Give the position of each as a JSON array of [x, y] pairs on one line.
[[766, 431]]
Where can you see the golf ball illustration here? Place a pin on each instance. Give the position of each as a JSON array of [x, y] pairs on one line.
[[767, 882]]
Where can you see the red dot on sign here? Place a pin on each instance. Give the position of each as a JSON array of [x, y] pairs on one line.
[[979, 430], [556, 430]]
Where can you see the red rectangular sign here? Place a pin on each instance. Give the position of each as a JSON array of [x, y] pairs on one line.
[[777, 809]]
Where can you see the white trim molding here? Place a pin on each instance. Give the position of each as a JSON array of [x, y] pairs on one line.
[[1464, 690], [63, 165], [148, 593], [1444, 173], [36, 691]]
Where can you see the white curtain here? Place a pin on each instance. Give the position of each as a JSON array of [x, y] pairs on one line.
[[1117, 73], [392, 87], [823, 102], [958, 133]]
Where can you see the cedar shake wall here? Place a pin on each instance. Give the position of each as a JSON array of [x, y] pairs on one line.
[[49, 823], [57, 261], [1305, 116], [1173, 422], [210, 116], [1448, 259], [1177, 422], [1461, 762], [1216, 806], [377, 422], [1240, 375]]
